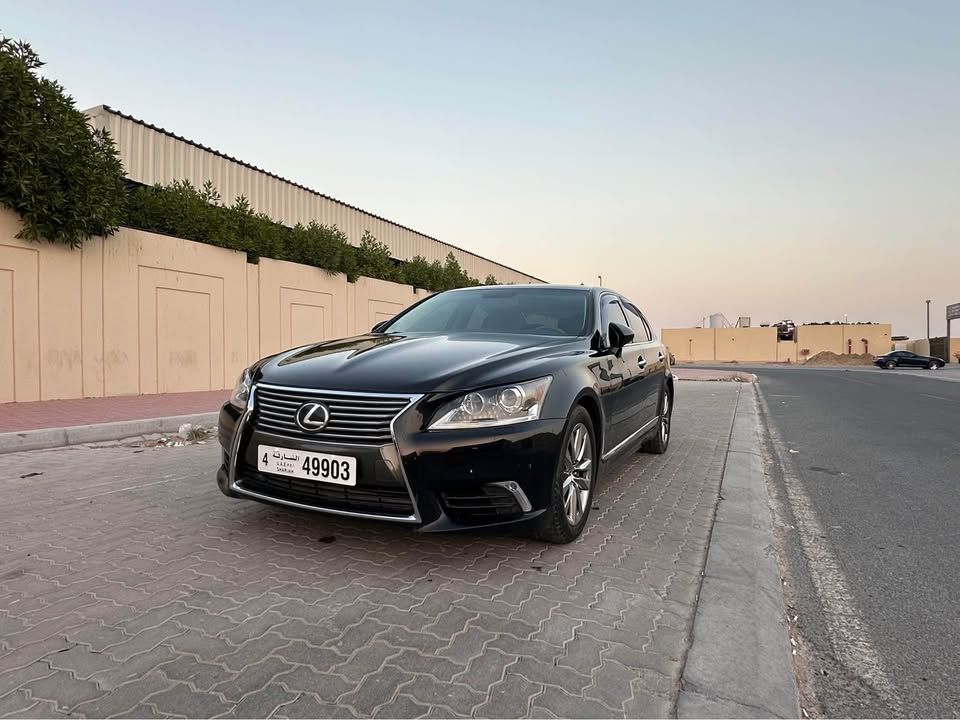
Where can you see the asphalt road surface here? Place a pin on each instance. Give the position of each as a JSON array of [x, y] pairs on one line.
[[865, 471]]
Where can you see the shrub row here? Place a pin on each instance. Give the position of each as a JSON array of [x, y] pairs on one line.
[[199, 214]]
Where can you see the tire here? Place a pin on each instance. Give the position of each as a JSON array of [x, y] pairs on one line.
[[569, 494], [934, 365], [659, 443], [890, 365]]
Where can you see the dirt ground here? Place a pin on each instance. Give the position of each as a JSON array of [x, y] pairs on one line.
[[831, 358]]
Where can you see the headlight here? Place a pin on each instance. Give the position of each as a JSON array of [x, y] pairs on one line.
[[504, 405], [241, 391]]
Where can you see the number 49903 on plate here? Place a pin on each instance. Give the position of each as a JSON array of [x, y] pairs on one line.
[[336, 469]]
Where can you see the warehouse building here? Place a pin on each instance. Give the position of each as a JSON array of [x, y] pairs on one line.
[[152, 155]]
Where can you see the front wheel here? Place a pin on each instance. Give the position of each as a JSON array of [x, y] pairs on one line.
[[891, 365], [659, 442], [571, 492]]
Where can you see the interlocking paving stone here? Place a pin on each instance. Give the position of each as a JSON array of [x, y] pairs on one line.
[[183, 700], [124, 698], [307, 706], [510, 698], [130, 586], [262, 703], [200, 675], [63, 689], [14, 703]]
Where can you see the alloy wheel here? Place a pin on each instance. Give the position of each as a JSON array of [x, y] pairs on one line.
[[577, 473], [665, 419]]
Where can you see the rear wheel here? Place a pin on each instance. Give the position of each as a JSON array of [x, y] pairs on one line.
[[890, 365], [571, 492], [659, 442]]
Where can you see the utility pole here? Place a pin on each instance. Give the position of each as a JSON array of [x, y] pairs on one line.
[[928, 322]]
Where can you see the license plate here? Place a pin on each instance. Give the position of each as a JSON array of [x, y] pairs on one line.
[[337, 469]]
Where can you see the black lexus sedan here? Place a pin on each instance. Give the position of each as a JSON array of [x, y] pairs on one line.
[[473, 407]]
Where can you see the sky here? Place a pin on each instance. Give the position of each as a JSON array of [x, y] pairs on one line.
[[773, 160]]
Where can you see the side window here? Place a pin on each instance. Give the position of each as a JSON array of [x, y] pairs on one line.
[[649, 328], [641, 330], [612, 313]]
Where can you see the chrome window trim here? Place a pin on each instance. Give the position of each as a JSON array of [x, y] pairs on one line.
[[632, 437], [241, 426]]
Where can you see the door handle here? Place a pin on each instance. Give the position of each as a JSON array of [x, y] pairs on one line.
[[642, 362], [660, 355]]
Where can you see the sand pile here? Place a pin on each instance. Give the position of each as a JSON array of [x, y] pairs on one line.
[[831, 358]]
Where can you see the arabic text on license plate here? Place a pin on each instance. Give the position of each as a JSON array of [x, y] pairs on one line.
[[338, 469]]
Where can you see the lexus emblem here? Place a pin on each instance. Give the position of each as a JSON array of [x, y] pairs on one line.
[[313, 417]]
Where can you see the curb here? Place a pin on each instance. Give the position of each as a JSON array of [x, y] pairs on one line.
[[740, 663], [47, 438]]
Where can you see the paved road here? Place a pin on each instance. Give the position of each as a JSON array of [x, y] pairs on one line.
[[870, 483], [129, 586]]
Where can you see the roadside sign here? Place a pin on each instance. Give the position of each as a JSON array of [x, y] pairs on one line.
[[953, 311]]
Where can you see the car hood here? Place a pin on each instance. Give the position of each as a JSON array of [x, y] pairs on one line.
[[418, 363]]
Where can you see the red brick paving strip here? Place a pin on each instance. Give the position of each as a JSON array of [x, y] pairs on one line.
[[17, 417]]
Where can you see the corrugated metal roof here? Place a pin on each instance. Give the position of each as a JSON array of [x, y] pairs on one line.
[[100, 109]]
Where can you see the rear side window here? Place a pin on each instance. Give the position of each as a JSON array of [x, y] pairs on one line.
[[638, 323]]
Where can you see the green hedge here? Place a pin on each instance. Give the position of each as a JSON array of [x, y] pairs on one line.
[[185, 211]]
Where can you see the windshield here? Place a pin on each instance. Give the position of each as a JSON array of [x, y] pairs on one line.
[[561, 313]]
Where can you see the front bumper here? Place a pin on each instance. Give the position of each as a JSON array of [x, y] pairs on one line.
[[436, 480]]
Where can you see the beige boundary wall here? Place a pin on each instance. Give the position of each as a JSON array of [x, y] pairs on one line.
[[141, 313], [747, 344], [761, 344], [691, 344]]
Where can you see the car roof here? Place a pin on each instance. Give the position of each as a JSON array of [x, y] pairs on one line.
[[541, 286]]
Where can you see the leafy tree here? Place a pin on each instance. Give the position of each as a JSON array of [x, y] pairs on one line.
[[62, 177], [491, 280]]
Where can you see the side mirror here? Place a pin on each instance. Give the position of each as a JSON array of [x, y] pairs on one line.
[[619, 335], [379, 326]]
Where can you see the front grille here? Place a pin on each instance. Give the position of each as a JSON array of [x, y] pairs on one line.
[[355, 418], [487, 504], [372, 499]]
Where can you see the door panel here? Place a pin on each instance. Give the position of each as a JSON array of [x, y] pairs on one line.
[[622, 366], [655, 354], [611, 373], [634, 410], [647, 395]]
